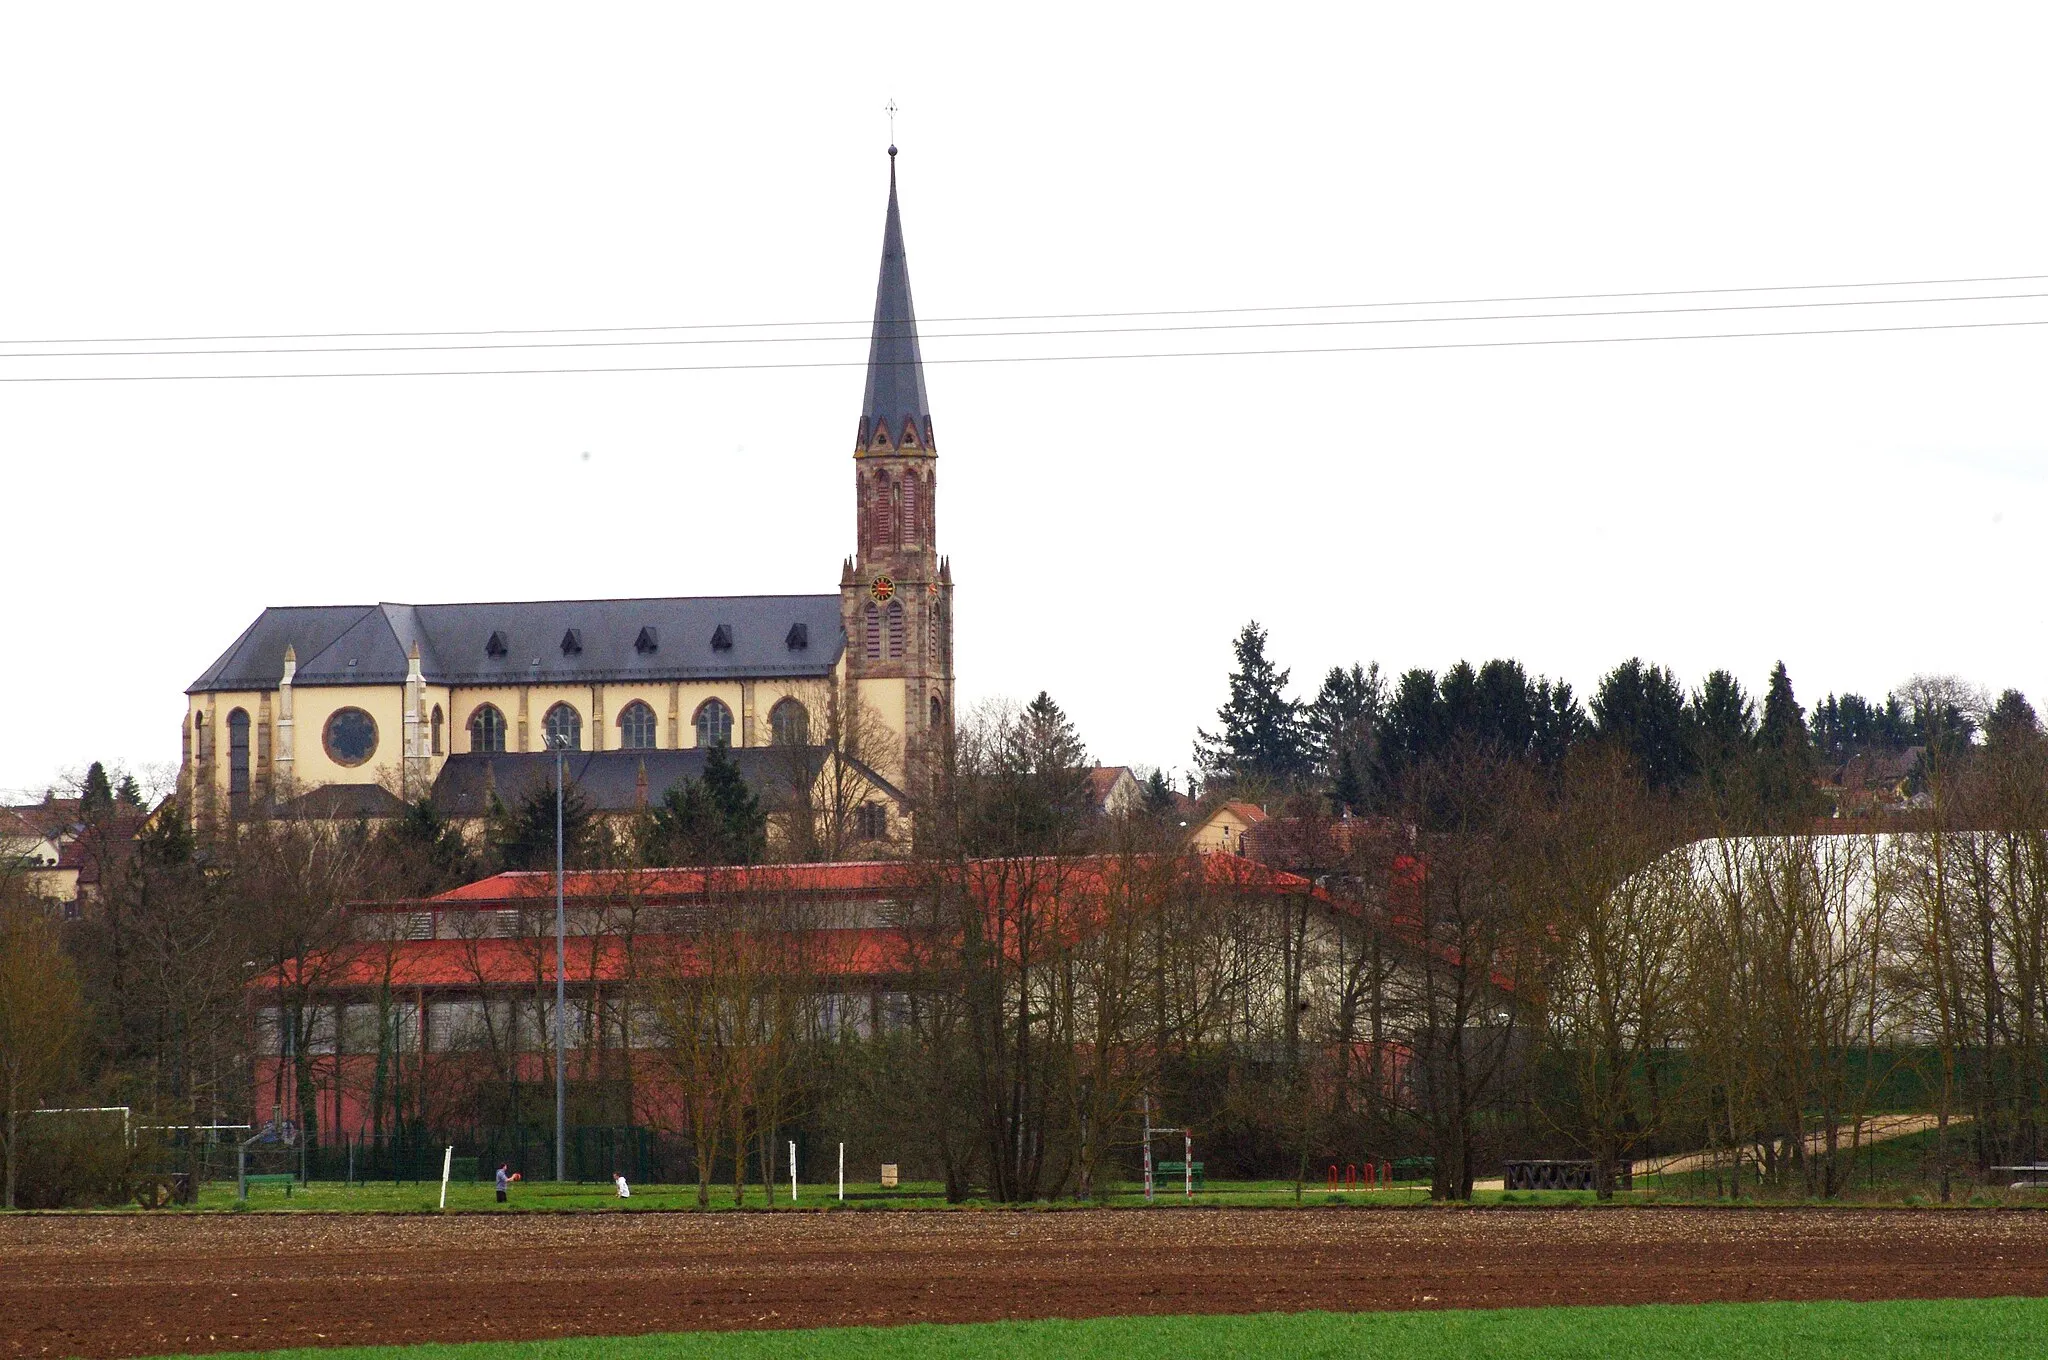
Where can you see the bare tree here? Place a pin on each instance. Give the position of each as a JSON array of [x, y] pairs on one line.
[[41, 1017]]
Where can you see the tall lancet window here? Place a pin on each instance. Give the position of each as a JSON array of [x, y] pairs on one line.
[[895, 535], [911, 519], [883, 533], [871, 629], [895, 630]]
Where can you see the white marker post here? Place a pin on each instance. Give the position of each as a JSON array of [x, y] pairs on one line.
[[792, 1171], [842, 1173], [447, 1165]]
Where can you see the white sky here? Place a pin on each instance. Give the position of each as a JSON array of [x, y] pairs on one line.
[[1863, 506]]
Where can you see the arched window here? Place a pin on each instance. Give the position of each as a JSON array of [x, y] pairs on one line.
[[938, 714], [931, 510], [931, 634], [487, 730], [866, 509], [636, 727], [200, 749], [563, 728], [871, 630], [884, 531], [895, 539], [910, 515], [714, 724], [789, 724], [238, 753], [437, 729], [895, 630]]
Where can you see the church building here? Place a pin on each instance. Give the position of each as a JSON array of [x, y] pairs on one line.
[[348, 709]]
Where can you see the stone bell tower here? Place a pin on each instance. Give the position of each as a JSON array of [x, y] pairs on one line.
[[896, 593]]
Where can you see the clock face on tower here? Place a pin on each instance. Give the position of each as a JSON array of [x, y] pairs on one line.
[[882, 590]]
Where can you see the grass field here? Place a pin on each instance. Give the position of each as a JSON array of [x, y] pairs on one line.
[[1951, 1328], [376, 1196]]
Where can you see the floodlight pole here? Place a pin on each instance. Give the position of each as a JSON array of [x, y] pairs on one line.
[[561, 968]]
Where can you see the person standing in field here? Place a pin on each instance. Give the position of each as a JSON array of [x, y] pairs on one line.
[[620, 1180], [505, 1180]]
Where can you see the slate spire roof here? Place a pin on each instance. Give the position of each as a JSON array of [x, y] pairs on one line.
[[895, 389]]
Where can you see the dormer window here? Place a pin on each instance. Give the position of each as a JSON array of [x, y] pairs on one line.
[[721, 638], [646, 644], [799, 637], [496, 645], [572, 643]]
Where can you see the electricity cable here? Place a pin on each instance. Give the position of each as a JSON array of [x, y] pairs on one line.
[[1042, 316], [1032, 358], [996, 335]]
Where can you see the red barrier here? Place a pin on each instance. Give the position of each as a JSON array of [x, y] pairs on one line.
[[1351, 1176], [1332, 1181]]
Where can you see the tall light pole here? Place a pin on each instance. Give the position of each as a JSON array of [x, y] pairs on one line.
[[561, 969]]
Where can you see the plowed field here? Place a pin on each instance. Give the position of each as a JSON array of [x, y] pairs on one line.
[[139, 1284]]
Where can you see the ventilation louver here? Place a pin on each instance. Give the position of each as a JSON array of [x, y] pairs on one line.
[[572, 643], [496, 645], [721, 638], [646, 644], [799, 637]]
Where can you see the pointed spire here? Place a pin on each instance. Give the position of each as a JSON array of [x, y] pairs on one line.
[[895, 391]]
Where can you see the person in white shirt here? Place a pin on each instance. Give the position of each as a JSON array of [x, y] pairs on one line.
[[620, 1181]]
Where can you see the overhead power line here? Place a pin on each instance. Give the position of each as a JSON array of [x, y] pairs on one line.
[[996, 335], [1039, 316], [1037, 358]]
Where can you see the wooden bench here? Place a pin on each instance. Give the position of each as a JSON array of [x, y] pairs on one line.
[[1178, 1171], [286, 1179]]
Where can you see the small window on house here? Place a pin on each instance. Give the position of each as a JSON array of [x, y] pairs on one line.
[[871, 822], [714, 724], [563, 727], [721, 638], [572, 642], [871, 620], [487, 730], [636, 727], [436, 723], [495, 645], [238, 753], [799, 637], [895, 629], [789, 724], [647, 644]]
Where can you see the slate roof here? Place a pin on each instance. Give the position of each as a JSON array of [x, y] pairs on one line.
[[368, 644], [895, 387], [609, 781]]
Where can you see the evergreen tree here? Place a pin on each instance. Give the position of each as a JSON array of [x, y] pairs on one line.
[[1343, 724], [713, 820], [524, 834], [96, 795], [1158, 794], [1786, 766], [2013, 722], [1263, 734], [424, 853], [129, 793], [1641, 709]]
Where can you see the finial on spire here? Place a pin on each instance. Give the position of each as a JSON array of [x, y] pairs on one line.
[[890, 109]]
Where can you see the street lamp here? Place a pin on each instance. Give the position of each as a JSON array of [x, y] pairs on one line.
[[558, 743]]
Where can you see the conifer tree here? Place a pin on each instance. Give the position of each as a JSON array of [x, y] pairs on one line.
[[1641, 709], [1343, 724], [1786, 766], [96, 795], [1262, 733]]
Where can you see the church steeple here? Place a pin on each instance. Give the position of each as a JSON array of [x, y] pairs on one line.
[[894, 414], [896, 592]]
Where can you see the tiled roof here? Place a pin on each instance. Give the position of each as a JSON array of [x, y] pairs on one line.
[[619, 641]]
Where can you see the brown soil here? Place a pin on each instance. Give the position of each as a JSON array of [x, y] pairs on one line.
[[132, 1285]]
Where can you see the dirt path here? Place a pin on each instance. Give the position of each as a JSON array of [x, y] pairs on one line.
[[114, 1286]]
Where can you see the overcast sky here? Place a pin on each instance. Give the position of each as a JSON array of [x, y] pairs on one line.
[[1863, 506]]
